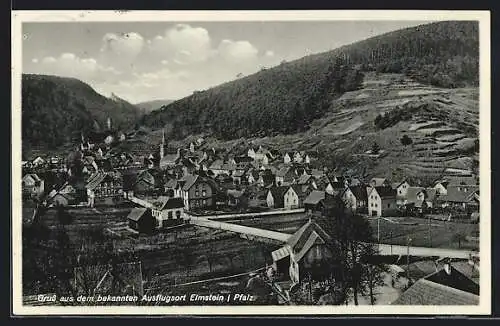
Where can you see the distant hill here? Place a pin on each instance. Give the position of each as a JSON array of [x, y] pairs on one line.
[[149, 106], [55, 110], [285, 99]]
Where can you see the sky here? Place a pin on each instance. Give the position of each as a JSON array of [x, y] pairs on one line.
[[144, 61]]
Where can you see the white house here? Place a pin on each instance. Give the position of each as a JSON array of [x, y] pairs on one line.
[[287, 158], [381, 201], [401, 188], [168, 210], [294, 197], [38, 161], [441, 187]]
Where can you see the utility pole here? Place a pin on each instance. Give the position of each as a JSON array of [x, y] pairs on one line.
[[408, 259], [430, 231], [391, 242]]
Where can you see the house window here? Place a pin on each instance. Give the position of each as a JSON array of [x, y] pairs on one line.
[[204, 202], [196, 193], [178, 214], [371, 204], [203, 192], [388, 205], [376, 205], [170, 215], [400, 192]]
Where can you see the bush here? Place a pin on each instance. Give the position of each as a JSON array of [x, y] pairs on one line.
[[405, 140]]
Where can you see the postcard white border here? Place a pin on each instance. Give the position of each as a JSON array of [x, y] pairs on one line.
[[18, 17]]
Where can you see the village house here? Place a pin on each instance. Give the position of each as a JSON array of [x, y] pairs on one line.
[[237, 198], [169, 160], [378, 182], [266, 179], [441, 187], [314, 202], [307, 180], [419, 198], [240, 177], [276, 196], [216, 167], [355, 198], [197, 192], [261, 153], [401, 190], [32, 185], [306, 253], [288, 158], [104, 188], [381, 201], [285, 176], [294, 197], [141, 220], [168, 211], [462, 197], [38, 162], [148, 181], [251, 152], [61, 199], [446, 286]]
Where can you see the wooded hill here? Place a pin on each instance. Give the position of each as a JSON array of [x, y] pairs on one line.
[[55, 110], [287, 98]]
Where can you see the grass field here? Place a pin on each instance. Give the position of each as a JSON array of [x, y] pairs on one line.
[[441, 233]]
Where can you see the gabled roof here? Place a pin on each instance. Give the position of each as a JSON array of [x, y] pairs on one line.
[[137, 213], [190, 180], [395, 185], [34, 176], [169, 159], [305, 237], [385, 192], [303, 179], [412, 192], [216, 165], [235, 193], [239, 173], [458, 194], [461, 180], [377, 182], [278, 192], [359, 192], [171, 184], [168, 203], [283, 171], [298, 190], [315, 197], [425, 292]]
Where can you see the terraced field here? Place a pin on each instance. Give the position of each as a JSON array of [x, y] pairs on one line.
[[444, 129]]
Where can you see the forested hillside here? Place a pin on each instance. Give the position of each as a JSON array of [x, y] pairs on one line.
[[55, 110], [287, 98]]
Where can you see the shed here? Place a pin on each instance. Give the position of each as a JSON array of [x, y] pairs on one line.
[[141, 219]]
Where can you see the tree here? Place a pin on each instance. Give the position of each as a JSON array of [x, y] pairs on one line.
[[356, 270], [375, 148], [459, 237], [405, 140]]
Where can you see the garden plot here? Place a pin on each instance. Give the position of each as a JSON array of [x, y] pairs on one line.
[[419, 92], [426, 124], [451, 138], [439, 132]]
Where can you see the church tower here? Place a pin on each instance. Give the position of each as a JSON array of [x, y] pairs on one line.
[[162, 145]]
